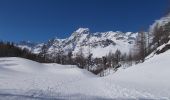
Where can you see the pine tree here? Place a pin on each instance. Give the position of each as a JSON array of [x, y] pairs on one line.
[[80, 59], [43, 52], [157, 35], [89, 61], [70, 54], [117, 56], [141, 45]]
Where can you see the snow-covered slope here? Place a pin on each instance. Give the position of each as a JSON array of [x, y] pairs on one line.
[[152, 76], [24, 79], [99, 43]]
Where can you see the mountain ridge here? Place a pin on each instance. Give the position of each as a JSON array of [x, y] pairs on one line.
[[82, 38]]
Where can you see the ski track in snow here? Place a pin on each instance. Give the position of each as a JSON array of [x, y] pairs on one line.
[[22, 79]]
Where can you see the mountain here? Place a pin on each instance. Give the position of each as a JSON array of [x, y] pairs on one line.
[[99, 43], [31, 46]]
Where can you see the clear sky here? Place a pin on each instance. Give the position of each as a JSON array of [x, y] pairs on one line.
[[40, 20]]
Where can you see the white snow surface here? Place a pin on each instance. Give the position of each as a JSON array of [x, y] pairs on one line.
[[22, 79]]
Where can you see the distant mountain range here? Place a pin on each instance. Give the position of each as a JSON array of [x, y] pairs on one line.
[[99, 43]]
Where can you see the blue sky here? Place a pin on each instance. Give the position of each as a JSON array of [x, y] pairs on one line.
[[40, 20]]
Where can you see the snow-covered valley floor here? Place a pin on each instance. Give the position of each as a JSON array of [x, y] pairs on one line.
[[22, 79]]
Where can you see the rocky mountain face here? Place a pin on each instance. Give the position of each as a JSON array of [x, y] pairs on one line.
[[82, 40]]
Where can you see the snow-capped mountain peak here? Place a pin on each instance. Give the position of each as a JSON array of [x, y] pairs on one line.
[[82, 30], [99, 43], [79, 32]]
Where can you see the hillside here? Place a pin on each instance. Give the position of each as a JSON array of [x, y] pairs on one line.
[[151, 76], [25, 79]]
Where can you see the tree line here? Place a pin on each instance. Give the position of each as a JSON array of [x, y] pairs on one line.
[[94, 65], [8, 49]]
